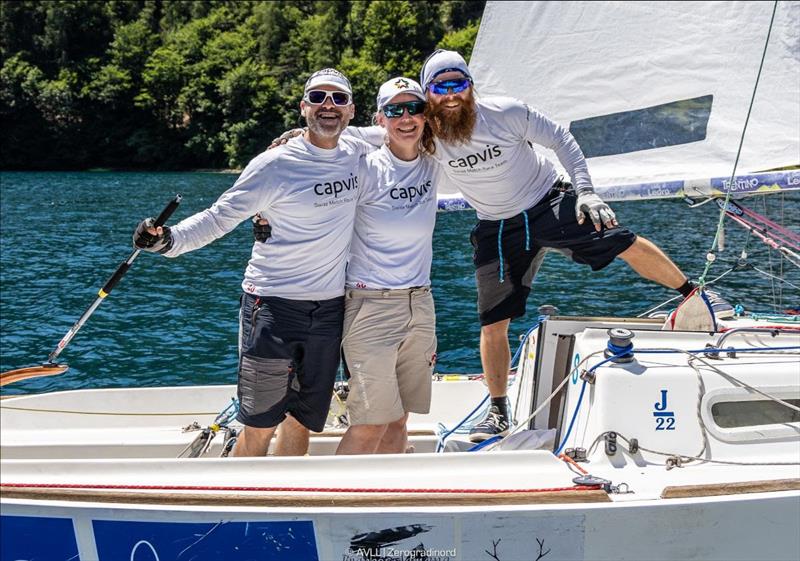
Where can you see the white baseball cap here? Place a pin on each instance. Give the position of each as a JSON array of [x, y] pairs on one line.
[[328, 77], [397, 86], [441, 61]]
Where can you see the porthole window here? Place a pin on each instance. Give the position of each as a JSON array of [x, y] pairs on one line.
[[740, 415], [736, 414]]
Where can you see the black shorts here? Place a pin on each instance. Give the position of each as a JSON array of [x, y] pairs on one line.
[[288, 359], [503, 291]]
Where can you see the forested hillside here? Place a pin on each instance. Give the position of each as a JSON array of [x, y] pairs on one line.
[[178, 84]]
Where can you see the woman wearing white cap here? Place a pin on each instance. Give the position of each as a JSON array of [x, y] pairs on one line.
[[389, 338]]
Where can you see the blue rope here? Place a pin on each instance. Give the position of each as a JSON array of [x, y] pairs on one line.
[[440, 445], [527, 231], [485, 443], [227, 414], [698, 351], [621, 352], [500, 249], [572, 422], [539, 321], [711, 350]]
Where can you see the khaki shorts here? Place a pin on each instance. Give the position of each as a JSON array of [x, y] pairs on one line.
[[389, 345]]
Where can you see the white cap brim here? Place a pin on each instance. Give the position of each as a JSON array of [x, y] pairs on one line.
[[396, 86]]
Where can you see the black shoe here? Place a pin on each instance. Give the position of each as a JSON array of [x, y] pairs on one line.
[[495, 424]]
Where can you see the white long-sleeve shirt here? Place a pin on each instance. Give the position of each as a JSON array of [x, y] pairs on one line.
[[308, 194], [499, 173], [394, 224]]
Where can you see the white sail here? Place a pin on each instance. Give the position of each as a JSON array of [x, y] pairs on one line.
[[657, 93]]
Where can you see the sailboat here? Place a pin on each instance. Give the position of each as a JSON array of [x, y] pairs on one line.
[[630, 441]]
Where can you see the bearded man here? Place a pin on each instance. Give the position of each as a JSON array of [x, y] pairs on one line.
[[486, 147], [293, 303]]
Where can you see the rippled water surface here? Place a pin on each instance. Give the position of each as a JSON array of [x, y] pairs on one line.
[[173, 321]]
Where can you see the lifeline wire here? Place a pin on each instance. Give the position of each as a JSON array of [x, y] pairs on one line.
[[684, 456], [714, 245]]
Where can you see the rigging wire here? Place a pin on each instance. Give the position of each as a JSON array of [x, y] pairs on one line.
[[710, 255], [680, 296], [779, 279], [742, 264]]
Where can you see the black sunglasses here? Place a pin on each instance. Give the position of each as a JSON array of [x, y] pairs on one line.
[[394, 110]]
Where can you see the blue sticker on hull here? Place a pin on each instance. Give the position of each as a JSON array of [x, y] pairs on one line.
[[228, 541], [33, 537]]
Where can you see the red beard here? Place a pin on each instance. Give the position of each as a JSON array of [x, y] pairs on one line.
[[452, 126]]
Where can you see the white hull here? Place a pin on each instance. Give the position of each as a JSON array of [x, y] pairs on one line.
[[657, 530], [99, 470]]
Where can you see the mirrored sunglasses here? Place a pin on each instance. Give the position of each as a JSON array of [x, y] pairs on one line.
[[446, 86], [318, 97], [394, 110]]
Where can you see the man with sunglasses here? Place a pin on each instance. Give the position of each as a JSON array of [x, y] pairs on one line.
[[486, 148], [293, 303]]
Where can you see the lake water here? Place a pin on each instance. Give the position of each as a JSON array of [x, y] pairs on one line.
[[174, 321]]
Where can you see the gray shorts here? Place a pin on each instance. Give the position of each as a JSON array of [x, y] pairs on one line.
[[389, 345], [504, 281], [289, 356]]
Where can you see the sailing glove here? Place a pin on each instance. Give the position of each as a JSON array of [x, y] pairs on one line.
[[261, 232], [589, 204], [155, 243]]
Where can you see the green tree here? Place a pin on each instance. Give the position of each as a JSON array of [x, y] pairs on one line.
[[181, 84], [461, 40], [20, 83], [21, 27], [399, 34]]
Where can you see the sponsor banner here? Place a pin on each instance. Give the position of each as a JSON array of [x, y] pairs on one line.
[[452, 202], [222, 540], [642, 191], [760, 183], [467, 537], [393, 538]]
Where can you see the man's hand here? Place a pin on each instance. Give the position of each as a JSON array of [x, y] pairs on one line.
[[589, 204], [285, 137], [261, 229], [148, 238]]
